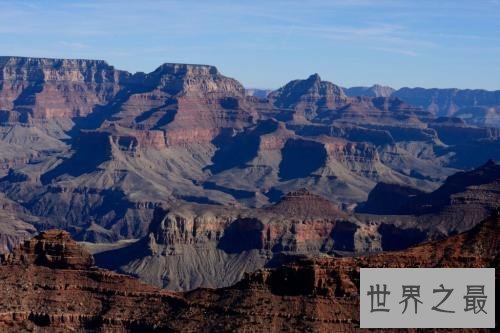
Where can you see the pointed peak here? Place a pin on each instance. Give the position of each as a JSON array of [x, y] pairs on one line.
[[314, 77]]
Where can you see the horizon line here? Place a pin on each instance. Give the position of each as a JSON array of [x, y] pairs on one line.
[[250, 87]]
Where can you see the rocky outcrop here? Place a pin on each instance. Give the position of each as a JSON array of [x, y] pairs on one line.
[[201, 245], [54, 88], [181, 99], [307, 97], [49, 284], [322, 294], [304, 294], [414, 216], [463, 188], [51, 248], [447, 102], [206, 245]]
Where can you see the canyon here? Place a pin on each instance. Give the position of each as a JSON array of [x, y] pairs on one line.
[[49, 284], [185, 179], [202, 245], [96, 150]]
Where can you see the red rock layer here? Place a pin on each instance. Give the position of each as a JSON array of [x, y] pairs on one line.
[[53, 88], [305, 295]]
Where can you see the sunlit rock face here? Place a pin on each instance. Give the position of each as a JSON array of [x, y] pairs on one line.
[[95, 149], [48, 284], [53, 88]]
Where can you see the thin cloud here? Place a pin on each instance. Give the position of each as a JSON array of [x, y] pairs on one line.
[[397, 51], [73, 45]]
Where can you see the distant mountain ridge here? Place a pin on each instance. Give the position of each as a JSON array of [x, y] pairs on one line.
[[374, 91], [475, 106]]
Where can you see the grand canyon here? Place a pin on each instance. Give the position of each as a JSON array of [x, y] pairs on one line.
[[178, 200]]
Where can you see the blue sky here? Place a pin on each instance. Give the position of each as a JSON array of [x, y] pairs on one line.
[[267, 43]]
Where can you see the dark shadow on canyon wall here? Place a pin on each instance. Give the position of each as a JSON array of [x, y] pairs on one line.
[[300, 158], [243, 234]]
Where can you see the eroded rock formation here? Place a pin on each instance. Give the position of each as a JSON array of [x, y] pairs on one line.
[[305, 294], [95, 149], [475, 106], [192, 246]]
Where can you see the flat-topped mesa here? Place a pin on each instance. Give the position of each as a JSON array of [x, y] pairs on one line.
[[55, 88], [48, 69], [52, 248], [190, 79], [302, 203], [376, 90]]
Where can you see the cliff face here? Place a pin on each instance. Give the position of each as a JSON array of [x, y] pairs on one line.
[[326, 290], [192, 246], [305, 294], [55, 88], [189, 246], [51, 248], [50, 285], [447, 102], [95, 149], [461, 189], [181, 99]]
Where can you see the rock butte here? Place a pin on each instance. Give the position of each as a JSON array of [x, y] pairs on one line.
[[190, 246], [49, 285]]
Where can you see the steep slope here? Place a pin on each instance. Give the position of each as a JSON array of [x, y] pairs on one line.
[[408, 216], [301, 100], [478, 186], [55, 88], [16, 224], [94, 150], [322, 294], [49, 285], [192, 246], [200, 245], [177, 98]]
